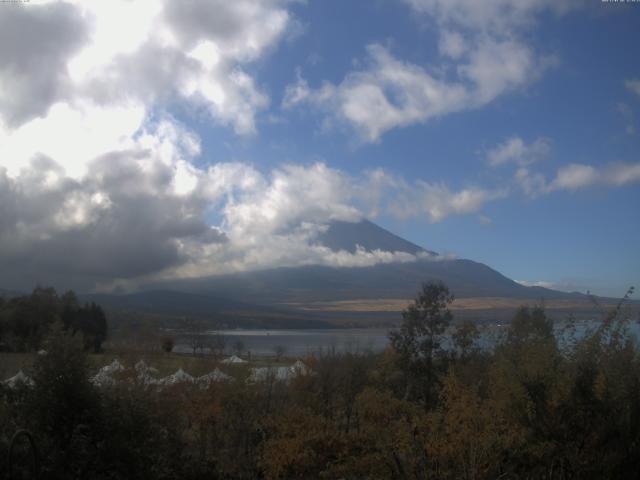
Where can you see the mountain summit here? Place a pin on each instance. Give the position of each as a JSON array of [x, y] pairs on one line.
[[348, 235]]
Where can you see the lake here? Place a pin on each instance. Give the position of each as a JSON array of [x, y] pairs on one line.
[[302, 342]]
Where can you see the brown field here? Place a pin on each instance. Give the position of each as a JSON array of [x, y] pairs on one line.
[[397, 305]]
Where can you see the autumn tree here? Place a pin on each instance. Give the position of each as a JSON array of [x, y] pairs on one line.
[[167, 344], [465, 338], [279, 350], [465, 438], [194, 331], [238, 347], [530, 324]]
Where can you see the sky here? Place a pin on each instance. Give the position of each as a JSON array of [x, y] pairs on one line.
[[150, 140]]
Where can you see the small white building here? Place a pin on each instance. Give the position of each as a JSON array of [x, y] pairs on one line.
[[233, 359], [19, 379]]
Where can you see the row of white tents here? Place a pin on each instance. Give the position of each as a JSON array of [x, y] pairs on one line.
[[284, 374], [146, 375]]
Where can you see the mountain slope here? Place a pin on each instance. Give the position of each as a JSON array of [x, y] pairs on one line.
[[465, 278]]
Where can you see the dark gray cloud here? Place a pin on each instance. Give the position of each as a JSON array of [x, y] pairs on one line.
[[121, 221], [35, 43]]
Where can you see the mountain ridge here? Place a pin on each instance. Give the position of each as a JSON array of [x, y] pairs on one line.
[[466, 278]]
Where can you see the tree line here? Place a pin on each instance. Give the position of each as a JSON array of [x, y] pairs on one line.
[[26, 320], [531, 407]]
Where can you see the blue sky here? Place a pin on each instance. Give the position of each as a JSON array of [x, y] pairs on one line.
[[504, 132], [581, 239]]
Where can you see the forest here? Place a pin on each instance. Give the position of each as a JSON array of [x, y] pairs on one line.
[[26, 319], [533, 406]]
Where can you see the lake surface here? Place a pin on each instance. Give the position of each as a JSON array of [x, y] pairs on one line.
[[302, 342], [306, 342]]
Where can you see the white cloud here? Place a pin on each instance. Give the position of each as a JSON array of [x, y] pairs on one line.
[[564, 285], [273, 220], [146, 53], [633, 85], [575, 176], [394, 195], [482, 56], [533, 184], [452, 44], [391, 93], [539, 283], [618, 174], [72, 135], [97, 181], [292, 195], [516, 150], [496, 67], [141, 213], [440, 202], [495, 16]]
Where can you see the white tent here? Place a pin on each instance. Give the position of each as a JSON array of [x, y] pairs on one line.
[[262, 374], [299, 368], [284, 374], [142, 369], [146, 373], [233, 359], [102, 380], [19, 379], [112, 368], [103, 377], [215, 376], [179, 377]]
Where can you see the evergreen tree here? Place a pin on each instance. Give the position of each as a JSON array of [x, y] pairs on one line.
[[418, 341]]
